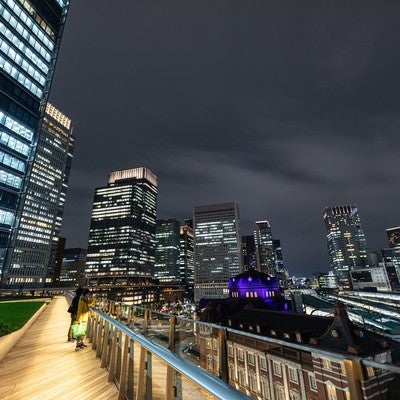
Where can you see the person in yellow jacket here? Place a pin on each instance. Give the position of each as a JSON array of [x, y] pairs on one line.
[[82, 315]]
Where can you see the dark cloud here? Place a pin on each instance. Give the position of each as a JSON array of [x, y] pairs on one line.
[[283, 106]]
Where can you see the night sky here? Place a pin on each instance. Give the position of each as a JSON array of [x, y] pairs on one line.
[[284, 107]]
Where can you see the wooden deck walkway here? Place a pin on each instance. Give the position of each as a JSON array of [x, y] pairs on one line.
[[44, 366]]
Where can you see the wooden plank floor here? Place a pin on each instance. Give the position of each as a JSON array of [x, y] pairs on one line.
[[44, 366]]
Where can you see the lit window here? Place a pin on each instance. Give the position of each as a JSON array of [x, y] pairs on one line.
[[370, 372]]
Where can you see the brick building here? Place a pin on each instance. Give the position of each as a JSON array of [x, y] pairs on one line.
[[288, 356]]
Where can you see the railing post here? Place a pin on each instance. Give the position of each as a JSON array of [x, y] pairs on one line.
[[149, 376], [114, 344], [118, 357], [98, 336], [130, 392], [129, 316], [140, 392], [105, 346], [222, 359], [146, 318], [93, 331], [170, 390], [124, 369], [112, 307]]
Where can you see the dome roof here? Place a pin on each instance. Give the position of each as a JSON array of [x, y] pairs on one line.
[[253, 279]]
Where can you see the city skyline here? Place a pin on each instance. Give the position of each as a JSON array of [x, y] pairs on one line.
[[287, 114]]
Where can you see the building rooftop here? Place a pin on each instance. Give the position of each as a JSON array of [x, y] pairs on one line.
[[335, 334]]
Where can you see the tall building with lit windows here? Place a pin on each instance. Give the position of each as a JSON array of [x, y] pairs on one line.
[[265, 253], [31, 260], [167, 250], [393, 235], [122, 237], [218, 255], [248, 252], [30, 34], [186, 259], [347, 245]]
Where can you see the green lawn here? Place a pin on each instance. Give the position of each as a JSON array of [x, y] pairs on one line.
[[14, 315]]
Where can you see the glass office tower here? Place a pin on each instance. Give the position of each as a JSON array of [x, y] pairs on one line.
[[167, 250], [347, 245], [30, 34], [186, 259], [218, 254], [30, 260], [248, 252], [122, 237], [265, 254]]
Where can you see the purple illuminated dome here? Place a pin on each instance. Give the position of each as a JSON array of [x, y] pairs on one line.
[[252, 284]]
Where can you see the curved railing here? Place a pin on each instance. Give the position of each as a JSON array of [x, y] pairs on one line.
[[144, 369], [182, 342]]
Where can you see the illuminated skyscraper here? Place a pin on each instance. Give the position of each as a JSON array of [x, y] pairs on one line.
[[217, 249], [30, 260], [393, 235], [167, 250], [265, 253], [73, 267], [186, 259], [122, 237], [347, 245], [248, 252], [30, 34]]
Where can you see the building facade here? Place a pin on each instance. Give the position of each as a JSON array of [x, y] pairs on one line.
[[73, 267], [393, 235], [248, 252], [186, 259], [167, 261], [265, 253], [31, 260], [122, 236], [381, 275], [218, 255], [347, 245], [30, 35], [281, 272], [328, 281], [289, 356]]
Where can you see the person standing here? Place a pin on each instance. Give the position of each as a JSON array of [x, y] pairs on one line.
[[82, 315], [73, 310]]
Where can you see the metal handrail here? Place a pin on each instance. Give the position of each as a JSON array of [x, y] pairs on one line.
[[281, 342], [106, 343]]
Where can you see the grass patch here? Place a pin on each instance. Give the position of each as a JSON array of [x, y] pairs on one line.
[[13, 316], [26, 298]]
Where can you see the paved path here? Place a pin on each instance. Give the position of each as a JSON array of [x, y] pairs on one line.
[[44, 366]]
